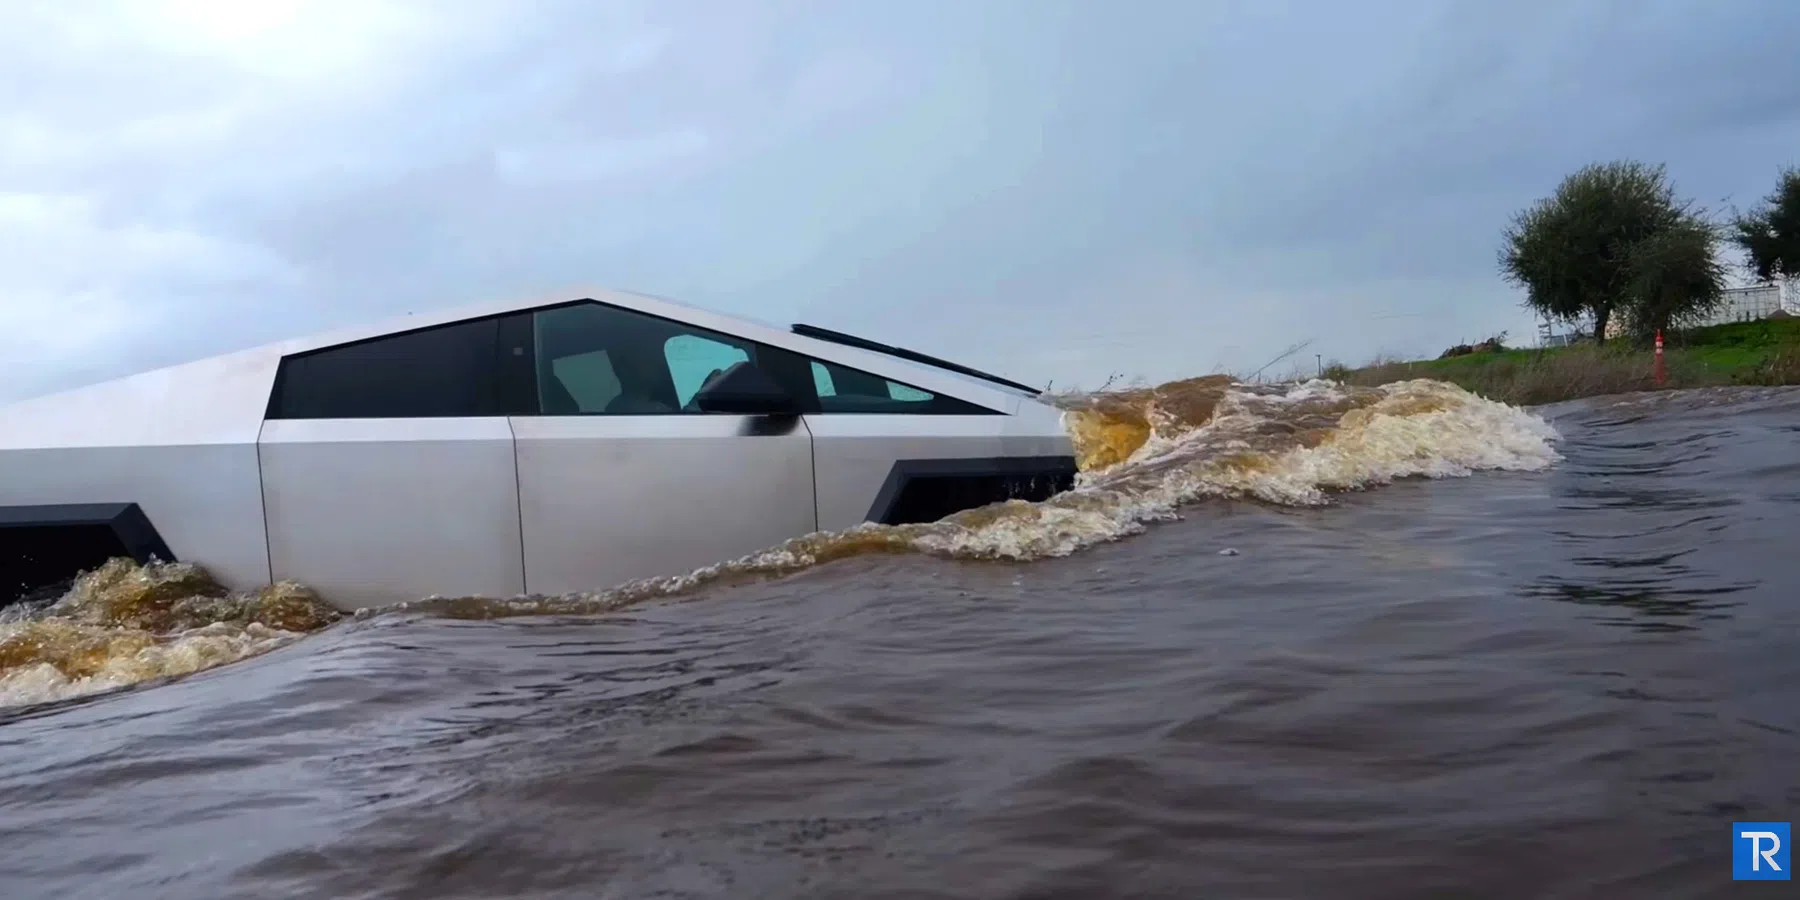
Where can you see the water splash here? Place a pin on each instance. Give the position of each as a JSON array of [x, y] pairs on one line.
[[1108, 427], [123, 623], [1143, 453]]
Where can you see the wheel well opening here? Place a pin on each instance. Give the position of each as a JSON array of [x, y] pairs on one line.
[[926, 490], [44, 548]]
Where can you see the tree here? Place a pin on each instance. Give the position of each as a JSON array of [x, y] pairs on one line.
[[1770, 233], [1675, 277], [1613, 239]]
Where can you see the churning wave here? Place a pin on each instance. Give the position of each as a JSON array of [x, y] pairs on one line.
[[1144, 454], [123, 624]]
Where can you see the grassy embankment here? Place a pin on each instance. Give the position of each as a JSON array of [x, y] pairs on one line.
[[1758, 353]]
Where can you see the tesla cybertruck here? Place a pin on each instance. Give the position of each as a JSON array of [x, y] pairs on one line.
[[517, 448]]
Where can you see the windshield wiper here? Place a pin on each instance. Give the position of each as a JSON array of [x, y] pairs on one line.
[[850, 340]]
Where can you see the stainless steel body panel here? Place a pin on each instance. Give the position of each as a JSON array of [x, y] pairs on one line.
[[1035, 429], [377, 511], [219, 400], [853, 454], [179, 441], [373, 511], [205, 501], [608, 499]]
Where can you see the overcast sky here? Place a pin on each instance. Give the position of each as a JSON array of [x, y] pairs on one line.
[[1052, 190]]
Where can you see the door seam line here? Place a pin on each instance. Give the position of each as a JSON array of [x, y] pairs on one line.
[[262, 503], [519, 507], [812, 460]]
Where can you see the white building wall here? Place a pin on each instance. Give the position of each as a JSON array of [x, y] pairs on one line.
[[1745, 304], [1742, 304]]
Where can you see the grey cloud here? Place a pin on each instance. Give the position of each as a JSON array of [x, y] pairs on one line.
[[1056, 189]]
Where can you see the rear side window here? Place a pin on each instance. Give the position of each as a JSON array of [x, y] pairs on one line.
[[448, 371], [845, 390]]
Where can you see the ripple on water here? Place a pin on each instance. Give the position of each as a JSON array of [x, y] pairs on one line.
[[1453, 689]]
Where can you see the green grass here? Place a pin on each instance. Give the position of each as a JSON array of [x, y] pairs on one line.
[[1765, 352]]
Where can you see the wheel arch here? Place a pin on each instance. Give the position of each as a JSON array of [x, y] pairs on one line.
[[925, 490], [44, 545]]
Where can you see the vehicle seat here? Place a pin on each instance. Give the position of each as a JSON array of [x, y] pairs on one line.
[[627, 404], [555, 397]]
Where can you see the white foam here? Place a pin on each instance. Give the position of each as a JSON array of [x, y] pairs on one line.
[[130, 656], [1409, 429]]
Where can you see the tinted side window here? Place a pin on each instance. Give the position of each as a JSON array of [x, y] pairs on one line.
[[594, 359], [693, 359], [448, 371], [588, 381], [846, 390]]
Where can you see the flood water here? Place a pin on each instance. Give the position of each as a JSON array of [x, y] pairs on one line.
[[1561, 666]]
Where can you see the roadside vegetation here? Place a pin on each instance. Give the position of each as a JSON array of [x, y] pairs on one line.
[[1613, 248], [1752, 353]]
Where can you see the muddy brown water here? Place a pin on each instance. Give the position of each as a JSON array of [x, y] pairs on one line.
[[1561, 667]]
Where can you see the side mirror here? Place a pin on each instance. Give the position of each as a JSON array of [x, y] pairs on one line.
[[744, 390]]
